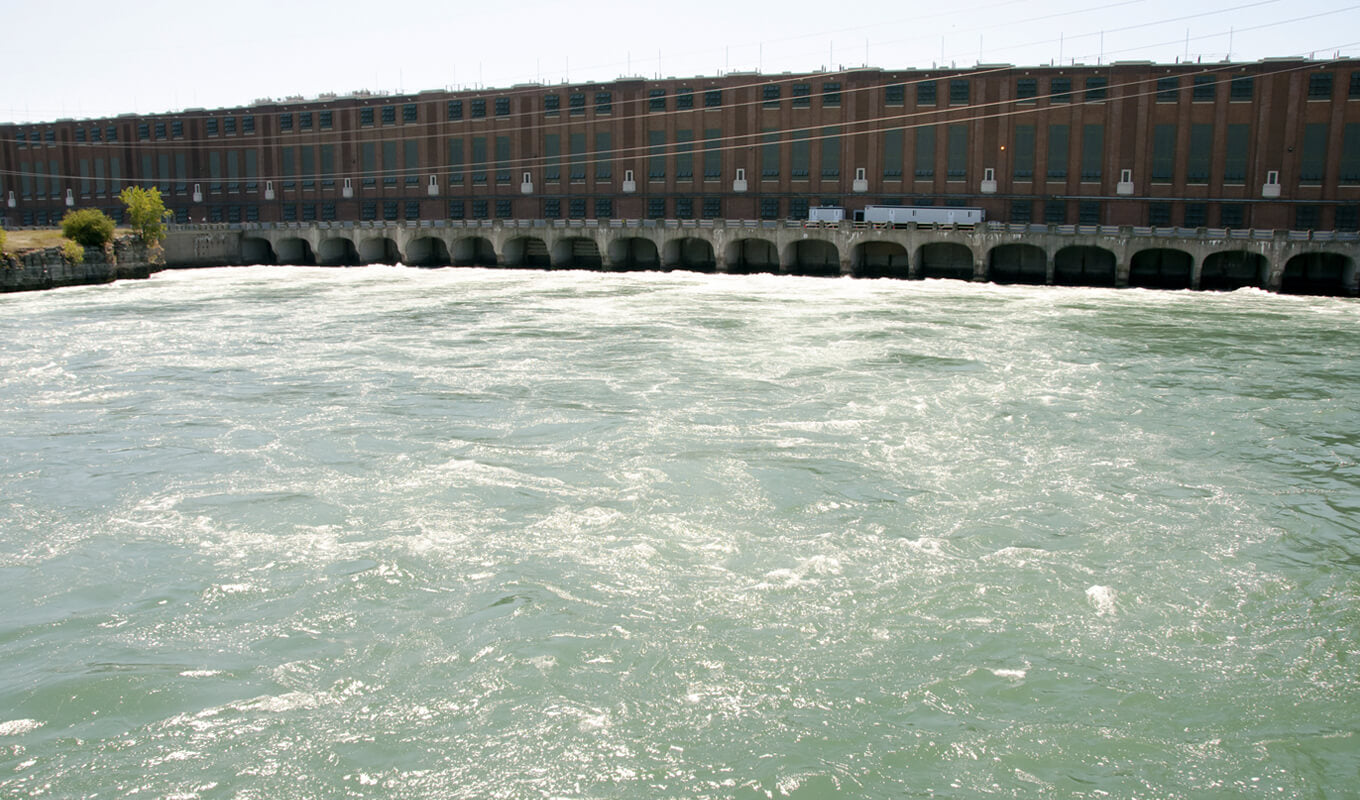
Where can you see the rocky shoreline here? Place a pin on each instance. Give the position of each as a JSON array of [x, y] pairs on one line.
[[49, 268]]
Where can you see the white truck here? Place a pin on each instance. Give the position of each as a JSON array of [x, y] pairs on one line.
[[921, 215], [826, 214]]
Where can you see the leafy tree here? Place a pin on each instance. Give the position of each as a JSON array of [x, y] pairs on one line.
[[73, 252], [89, 227], [146, 213]]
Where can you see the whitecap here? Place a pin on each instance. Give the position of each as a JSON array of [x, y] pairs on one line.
[[15, 727], [1102, 597]]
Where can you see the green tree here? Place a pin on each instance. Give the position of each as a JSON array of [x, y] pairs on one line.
[[146, 213], [89, 227]]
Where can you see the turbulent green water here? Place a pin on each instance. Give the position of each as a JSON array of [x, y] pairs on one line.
[[382, 532]]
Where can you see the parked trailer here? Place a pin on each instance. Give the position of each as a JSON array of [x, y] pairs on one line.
[[826, 214], [921, 215]]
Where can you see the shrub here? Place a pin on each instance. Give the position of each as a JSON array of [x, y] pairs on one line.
[[89, 227], [146, 213], [73, 252], [2, 240]]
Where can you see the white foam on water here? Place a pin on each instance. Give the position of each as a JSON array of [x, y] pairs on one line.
[[1102, 597], [15, 727]]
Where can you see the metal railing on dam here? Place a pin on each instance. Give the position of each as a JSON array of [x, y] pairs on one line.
[[1314, 262]]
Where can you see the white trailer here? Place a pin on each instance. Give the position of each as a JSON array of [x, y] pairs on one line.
[[923, 215], [826, 214]]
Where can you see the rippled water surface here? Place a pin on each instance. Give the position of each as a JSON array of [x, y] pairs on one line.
[[383, 532]]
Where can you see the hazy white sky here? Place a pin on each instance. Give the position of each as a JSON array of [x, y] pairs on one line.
[[82, 58]]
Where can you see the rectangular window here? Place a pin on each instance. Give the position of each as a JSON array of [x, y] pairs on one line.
[[1235, 146], [894, 95], [831, 153], [1354, 92], [455, 209], [368, 210], [366, 117], [285, 122], [1196, 215], [800, 166], [479, 160], [831, 94], [502, 159], [604, 207], [656, 155], [1055, 212], [958, 92], [504, 208], [1241, 89], [925, 152], [143, 132], [409, 112], [1022, 159], [160, 131], [712, 155], [502, 106], [1347, 218], [479, 209], [368, 162], [455, 109], [576, 157], [604, 154], [684, 99], [327, 166], [713, 98], [1088, 212], [1096, 89], [798, 208], [925, 93], [248, 123], [229, 126], [389, 115], [210, 125], [576, 104], [1320, 86], [177, 129], [770, 94], [1058, 146], [1026, 89], [309, 167], [1230, 215], [1204, 89], [1168, 89], [956, 152], [327, 122], [456, 160], [769, 156], [892, 155], [769, 208], [1350, 154], [252, 170], [684, 207], [1201, 150], [656, 100], [552, 104], [111, 134], [1163, 153], [552, 208], [410, 165], [802, 95], [656, 208], [1313, 160], [1022, 211], [684, 155], [478, 110], [288, 167], [552, 157], [712, 207], [604, 102], [1307, 218], [309, 212], [1092, 151], [389, 165], [1060, 90]]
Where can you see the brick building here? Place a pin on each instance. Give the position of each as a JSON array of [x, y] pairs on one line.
[[1270, 144]]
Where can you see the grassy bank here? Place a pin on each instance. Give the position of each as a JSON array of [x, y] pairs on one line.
[[21, 241]]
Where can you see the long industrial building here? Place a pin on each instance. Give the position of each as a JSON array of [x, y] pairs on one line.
[[1271, 144]]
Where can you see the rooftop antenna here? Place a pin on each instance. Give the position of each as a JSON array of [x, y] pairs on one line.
[[1187, 44], [1230, 38], [1100, 58], [1060, 47]]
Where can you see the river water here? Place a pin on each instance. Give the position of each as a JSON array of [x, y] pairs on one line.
[[386, 532]]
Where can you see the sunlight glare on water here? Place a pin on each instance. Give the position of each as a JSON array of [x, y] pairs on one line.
[[294, 533]]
